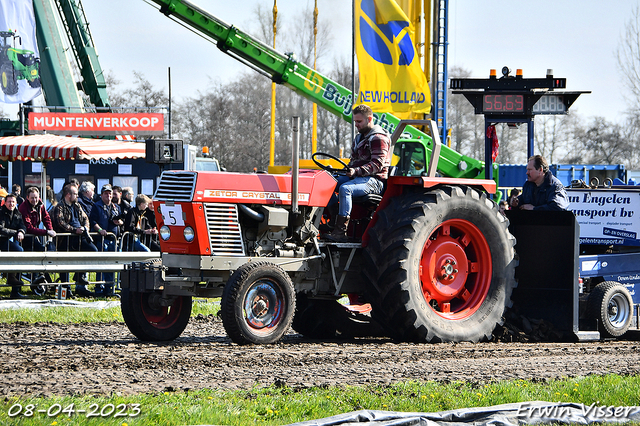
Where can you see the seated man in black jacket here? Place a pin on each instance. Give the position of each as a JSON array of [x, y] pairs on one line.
[[12, 226]]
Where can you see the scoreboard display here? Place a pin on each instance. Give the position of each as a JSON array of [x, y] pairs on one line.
[[503, 103]]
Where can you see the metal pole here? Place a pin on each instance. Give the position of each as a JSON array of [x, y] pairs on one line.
[[353, 65], [169, 114], [530, 135], [488, 160], [295, 156], [21, 113]]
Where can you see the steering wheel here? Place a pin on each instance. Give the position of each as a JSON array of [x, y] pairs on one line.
[[330, 169]]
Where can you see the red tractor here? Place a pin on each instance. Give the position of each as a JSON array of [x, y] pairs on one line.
[[434, 257]]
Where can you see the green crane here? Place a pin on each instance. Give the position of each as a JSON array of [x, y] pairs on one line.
[[304, 80]]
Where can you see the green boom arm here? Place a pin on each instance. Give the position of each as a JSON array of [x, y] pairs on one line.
[[284, 69]]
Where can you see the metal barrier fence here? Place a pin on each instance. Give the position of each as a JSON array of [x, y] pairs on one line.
[[61, 254]]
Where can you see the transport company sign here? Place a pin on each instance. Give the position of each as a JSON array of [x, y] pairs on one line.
[[610, 217], [97, 124]]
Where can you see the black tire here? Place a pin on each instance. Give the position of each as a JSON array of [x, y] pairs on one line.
[[37, 286], [611, 305], [441, 266], [148, 320], [8, 79], [328, 319], [34, 83], [258, 304]]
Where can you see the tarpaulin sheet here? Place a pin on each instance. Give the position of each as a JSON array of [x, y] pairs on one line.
[[535, 412]]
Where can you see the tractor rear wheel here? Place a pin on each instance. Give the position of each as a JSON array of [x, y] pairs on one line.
[[611, 305], [441, 266], [8, 79], [149, 319], [258, 303]]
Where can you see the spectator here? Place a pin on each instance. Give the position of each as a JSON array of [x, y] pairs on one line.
[[16, 190], [34, 213], [542, 190], [85, 196], [513, 194], [3, 194], [152, 225], [117, 199], [38, 224], [137, 224], [69, 217], [117, 195], [12, 226], [503, 206], [51, 199], [105, 218], [127, 199]]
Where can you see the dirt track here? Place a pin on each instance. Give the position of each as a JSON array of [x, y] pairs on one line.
[[52, 359]]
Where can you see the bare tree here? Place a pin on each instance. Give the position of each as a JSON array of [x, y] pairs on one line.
[[628, 56], [603, 142], [555, 135]]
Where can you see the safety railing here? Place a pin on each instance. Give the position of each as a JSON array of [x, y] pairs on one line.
[[131, 241], [60, 255]]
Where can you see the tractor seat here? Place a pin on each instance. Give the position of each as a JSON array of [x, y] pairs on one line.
[[369, 200]]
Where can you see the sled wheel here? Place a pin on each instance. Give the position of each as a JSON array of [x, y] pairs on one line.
[[258, 303], [610, 303], [8, 79], [149, 320], [441, 266]]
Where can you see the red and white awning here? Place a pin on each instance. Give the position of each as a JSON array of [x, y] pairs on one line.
[[51, 147]]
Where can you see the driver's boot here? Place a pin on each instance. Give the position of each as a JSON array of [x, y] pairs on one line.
[[333, 214], [339, 233]]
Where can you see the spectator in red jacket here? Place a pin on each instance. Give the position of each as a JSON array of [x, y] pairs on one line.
[[34, 213]]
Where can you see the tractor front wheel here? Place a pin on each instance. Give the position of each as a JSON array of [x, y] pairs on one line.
[[258, 304], [151, 318]]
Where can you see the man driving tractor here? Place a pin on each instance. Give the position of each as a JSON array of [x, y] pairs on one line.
[[367, 171]]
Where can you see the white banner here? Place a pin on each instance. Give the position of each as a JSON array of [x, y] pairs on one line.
[[19, 57], [607, 216]]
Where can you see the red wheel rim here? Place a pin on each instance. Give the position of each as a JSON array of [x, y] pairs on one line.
[[160, 317], [263, 306], [455, 269]]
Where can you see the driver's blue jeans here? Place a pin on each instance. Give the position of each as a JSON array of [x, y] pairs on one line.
[[349, 188]]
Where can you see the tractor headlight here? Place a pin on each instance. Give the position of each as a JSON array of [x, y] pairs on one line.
[[165, 232], [189, 234]]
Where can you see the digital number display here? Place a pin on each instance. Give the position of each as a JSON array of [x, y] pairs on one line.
[[550, 104], [503, 103]]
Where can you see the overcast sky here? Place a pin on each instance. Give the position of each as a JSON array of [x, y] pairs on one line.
[[575, 38]]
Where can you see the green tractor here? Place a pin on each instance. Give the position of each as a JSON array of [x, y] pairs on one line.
[[16, 64]]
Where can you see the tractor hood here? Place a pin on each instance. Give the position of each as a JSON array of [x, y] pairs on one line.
[[315, 187]]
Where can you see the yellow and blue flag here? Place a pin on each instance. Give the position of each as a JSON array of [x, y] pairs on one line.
[[391, 79]]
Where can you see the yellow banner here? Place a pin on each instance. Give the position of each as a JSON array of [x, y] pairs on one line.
[[391, 79]]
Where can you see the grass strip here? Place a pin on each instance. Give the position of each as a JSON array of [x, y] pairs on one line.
[[75, 315], [283, 405]]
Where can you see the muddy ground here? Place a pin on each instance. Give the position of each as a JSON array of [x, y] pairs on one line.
[[54, 359]]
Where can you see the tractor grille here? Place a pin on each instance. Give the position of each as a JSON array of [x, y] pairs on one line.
[[176, 186], [225, 235]]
